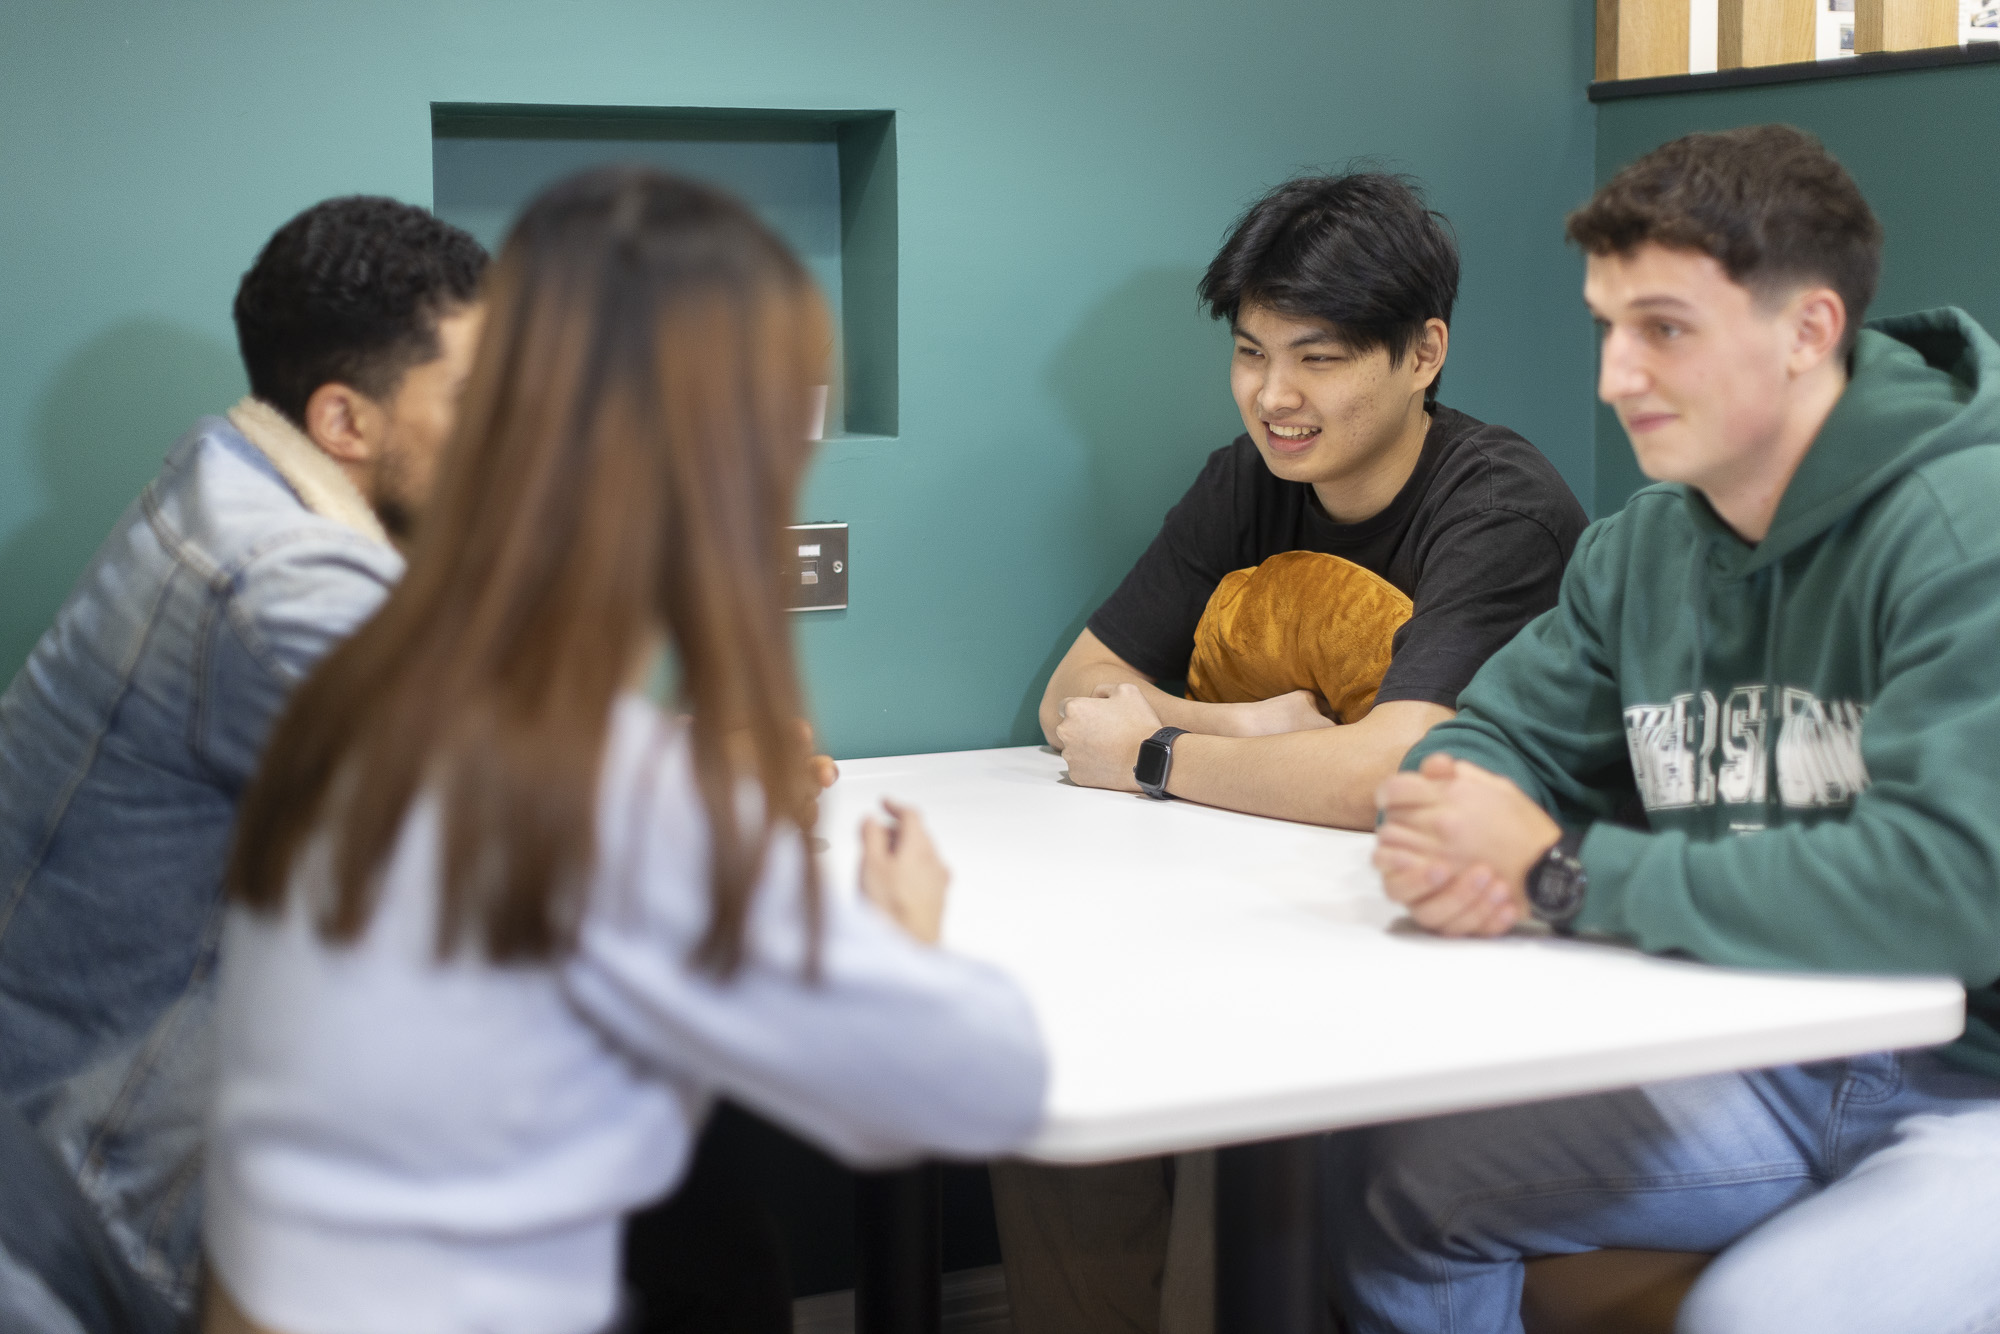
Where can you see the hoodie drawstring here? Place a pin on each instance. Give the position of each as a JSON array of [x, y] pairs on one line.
[[1771, 618], [1696, 587]]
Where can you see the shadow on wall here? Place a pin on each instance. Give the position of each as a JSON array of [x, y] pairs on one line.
[[99, 431], [1145, 378]]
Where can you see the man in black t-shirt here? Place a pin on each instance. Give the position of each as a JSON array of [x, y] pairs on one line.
[[1339, 291]]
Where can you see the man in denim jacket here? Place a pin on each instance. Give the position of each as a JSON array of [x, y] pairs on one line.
[[267, 537]]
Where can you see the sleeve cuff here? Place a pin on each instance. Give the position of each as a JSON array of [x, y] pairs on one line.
[[1137, 659], [1421, 694], [1610, 857]]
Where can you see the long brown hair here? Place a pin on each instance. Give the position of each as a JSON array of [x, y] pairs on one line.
[[628, 451]]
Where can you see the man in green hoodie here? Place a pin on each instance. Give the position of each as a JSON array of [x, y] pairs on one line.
[[1787, 656]]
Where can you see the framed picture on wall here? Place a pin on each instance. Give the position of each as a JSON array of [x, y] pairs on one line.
[[1835, 37]]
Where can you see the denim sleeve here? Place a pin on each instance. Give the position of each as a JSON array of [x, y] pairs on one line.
[[60, 1270], [281, 613]]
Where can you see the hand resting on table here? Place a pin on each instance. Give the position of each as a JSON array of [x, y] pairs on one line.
[[1455, 844]]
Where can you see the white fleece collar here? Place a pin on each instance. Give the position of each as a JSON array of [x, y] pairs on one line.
[[321, 485]]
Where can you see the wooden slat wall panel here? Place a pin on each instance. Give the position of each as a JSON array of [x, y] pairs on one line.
[[1765, 32], [1904, 25], [1641, 39]]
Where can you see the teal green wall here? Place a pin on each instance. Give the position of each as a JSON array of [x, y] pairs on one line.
[[1066, 169], [1912, 143]]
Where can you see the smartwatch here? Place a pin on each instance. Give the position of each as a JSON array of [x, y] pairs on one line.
[[1557, 882], [1156, 761]]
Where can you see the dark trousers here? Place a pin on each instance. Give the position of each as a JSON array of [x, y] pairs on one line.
[[708, 1259], [1118, 1248]]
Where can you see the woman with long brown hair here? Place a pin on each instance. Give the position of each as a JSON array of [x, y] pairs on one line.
[[502, 929]]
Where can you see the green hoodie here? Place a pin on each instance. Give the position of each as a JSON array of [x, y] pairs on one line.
[[1861, 832]]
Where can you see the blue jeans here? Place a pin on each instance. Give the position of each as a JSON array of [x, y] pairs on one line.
[[1855, 1195]]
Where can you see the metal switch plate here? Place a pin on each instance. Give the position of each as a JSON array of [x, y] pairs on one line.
[[818, 566]]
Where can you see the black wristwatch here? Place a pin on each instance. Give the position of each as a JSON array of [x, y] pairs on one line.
[[1557, 882], [1156, 761]]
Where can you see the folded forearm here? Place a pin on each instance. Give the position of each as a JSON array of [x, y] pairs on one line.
[[1877, 892], [1073, 679], [1193, 715], [1325, 776]]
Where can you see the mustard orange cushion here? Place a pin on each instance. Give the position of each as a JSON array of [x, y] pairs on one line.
[[1302, 620]]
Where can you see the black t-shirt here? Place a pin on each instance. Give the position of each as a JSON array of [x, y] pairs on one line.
[[1477, 539]]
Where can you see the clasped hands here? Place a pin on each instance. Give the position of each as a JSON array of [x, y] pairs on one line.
[[1454, 845]]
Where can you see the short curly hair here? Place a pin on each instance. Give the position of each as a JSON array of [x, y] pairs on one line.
[[1767, 202], [349, 292]]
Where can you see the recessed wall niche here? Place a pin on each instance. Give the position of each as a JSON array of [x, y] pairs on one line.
[[824, 180]]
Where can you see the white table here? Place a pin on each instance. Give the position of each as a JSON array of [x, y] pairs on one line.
[[1207, 978]]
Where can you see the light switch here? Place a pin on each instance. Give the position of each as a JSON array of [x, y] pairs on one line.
[[819, 567]]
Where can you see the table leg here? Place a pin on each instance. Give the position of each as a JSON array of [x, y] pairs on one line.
[[1269, 1263], [899, 1251]]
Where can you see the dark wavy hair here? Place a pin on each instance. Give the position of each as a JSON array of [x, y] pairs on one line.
[[349, 292], [1767, 202], [1360, 251]]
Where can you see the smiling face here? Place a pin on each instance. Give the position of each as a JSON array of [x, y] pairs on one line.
[[1321, 412], [1700, 369]]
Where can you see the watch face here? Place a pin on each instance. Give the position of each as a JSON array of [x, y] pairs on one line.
[[1557, 886], [1151, 770]]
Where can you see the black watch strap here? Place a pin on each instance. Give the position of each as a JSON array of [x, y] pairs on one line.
[[1156, 762]]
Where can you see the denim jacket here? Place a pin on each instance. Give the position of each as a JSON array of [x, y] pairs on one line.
[[125, 742]]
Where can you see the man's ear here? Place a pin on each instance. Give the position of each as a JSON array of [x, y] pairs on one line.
[[1427, 354], [344, 423], [1819, 321]]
